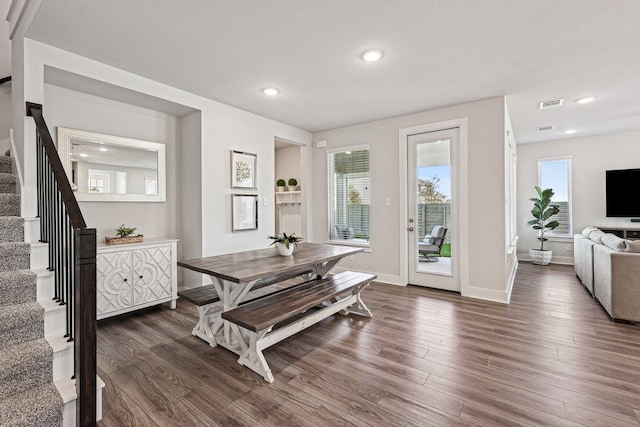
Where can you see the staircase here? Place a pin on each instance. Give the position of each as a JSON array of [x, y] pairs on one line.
[[28, 395]]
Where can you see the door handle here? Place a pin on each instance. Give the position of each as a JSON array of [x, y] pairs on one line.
[[410, 228]]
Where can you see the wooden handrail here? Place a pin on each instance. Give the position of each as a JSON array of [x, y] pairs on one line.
[[72, 249], [69, 199]]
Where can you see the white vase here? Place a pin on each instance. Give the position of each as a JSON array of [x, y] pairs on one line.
[[540, 257], [282, 249]]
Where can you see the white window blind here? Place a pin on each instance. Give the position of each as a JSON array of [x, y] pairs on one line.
[[349, 195], [555, 173]]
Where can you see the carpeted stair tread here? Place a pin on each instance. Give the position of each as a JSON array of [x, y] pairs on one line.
[[25, 366], [11, 229], [9, 204], [5, 164], [7, 183], [20, 323], [14, 256], [38, 407], [17, 287]]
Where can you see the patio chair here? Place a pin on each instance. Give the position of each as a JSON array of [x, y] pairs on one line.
[[430, 246]]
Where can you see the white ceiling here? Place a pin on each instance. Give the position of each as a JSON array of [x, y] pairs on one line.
[[436, 53]]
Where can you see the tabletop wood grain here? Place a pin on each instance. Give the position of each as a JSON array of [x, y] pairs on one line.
[[258, 264]]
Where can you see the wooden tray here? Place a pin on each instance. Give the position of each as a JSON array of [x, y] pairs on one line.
[[123, 240]]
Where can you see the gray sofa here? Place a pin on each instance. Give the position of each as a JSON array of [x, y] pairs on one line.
[[609, 267]]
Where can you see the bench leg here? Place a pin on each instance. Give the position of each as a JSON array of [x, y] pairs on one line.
[[204, 329], [359, 307], [253, 358]]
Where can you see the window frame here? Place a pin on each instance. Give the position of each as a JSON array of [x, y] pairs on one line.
[[330, 205], [568, 159]]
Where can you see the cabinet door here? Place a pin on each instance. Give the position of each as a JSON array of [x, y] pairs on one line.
[[151, 274], [114, 287]]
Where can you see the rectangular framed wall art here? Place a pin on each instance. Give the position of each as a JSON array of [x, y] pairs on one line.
[[243, 170], [245, 212]]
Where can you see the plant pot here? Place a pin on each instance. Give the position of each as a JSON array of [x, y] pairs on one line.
[[540, 257], [282, 249], [280, 189], [292, 187]]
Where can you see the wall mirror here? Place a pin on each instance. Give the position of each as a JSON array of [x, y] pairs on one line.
[[107, 168]]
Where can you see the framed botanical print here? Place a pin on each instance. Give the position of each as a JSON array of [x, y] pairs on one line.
[[245, 212], [243, 170]]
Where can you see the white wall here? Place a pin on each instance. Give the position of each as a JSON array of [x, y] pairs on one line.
[[68, 108], [222, 129], [591, 157], [5, 112], [484, 191]]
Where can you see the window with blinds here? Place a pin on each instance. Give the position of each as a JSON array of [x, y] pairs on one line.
[[555, 173], [349, 194]]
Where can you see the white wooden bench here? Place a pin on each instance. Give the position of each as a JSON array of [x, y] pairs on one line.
[[270, 319]]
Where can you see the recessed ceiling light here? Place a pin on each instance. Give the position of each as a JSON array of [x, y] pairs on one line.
[[570, 131], [585, 100], [270, 91], [102, 149], [83, 155], [372, 55]]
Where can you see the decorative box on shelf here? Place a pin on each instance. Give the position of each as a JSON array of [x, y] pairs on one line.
[[122, 240]]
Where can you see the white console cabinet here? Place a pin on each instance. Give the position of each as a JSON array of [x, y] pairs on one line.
[[134, 276]]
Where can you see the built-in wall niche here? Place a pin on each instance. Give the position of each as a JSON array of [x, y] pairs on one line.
[[107, 168]]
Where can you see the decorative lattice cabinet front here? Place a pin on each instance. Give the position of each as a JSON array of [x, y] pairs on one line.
[[134, 276]]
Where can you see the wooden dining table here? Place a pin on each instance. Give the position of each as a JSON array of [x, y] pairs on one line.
[[235, 275]]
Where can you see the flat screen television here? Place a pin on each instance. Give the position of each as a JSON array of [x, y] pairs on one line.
[[622, 200]]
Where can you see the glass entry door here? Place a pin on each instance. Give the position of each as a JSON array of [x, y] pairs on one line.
[[432, 210]]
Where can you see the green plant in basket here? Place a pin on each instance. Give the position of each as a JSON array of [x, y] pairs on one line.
[[124, 231]]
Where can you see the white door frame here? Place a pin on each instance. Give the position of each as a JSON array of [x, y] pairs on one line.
[[463, 205]]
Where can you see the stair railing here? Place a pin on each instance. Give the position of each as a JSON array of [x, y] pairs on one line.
[[72, 259]]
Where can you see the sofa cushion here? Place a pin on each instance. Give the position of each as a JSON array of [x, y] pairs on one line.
[[428, 239], [596, 235], [588, 231]]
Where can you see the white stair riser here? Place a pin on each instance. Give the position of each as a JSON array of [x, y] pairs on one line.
[[63, 363], [55, 322], [39, 256], [31, 229], [45, 286]]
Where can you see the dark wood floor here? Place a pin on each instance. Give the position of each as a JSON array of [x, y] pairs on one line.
[[428, 358]]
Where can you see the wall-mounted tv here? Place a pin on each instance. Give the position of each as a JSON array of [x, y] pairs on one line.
[[620, 201]]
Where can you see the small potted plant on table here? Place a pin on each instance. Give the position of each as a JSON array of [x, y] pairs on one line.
[[542, 212], [284, 243], [281, 184]]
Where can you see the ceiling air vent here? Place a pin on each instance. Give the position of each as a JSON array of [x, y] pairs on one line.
[[543, 128], [551, 104]]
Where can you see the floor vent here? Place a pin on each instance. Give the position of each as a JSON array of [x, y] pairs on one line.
[[543, 128], [551, 103]]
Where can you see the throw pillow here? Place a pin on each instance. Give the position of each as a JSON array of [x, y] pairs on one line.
[[428, 239], [596, 235], [614, 242], [588, 231]]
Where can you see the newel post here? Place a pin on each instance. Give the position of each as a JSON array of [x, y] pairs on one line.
[[85, 325]]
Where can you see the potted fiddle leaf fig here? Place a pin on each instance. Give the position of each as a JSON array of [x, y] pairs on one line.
[[542, 212]]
